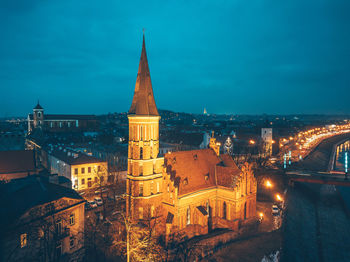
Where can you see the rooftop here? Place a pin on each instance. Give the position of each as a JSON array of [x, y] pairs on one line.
[[20, 195], [72, 157], [199, 169], [17, 161]]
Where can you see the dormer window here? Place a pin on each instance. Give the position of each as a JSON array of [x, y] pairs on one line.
[[206, 177], [174, 160], [185, 181], [195, 157]]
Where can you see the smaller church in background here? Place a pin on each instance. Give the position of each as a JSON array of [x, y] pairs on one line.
[[59, 123], [189, 193]]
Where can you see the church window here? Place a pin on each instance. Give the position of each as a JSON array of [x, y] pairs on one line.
[[141, 189], [23, 240], [224, 211], [140, 212], [152, 211], [188, 220], [152, 187], [140, 132], [141, 170], [141, 153]]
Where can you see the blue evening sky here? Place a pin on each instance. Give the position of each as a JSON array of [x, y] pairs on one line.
[[239, 56]]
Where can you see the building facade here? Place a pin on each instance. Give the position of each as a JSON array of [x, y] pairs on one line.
[[189, 192], [60, 123], [85, 172], [267, 138], [41, 221]]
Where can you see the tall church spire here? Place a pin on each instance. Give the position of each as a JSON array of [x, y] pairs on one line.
[[143, 102]]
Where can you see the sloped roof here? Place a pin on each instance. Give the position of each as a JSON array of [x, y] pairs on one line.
[[48, 117], [17, 161], [38, 106], [74, 158], [143, 102], [70, 117], [20, 195], [199, 169]]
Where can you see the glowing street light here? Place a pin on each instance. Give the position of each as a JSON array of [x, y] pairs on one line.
[[268, 184], [278, 197], [252, 142]]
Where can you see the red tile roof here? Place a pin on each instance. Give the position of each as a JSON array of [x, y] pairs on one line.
[[200, 169], [17, 161]]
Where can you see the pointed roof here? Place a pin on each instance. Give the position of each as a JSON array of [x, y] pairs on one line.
[[38, 106], [143, 102]]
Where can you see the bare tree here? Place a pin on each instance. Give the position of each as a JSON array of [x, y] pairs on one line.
[[141, 242]]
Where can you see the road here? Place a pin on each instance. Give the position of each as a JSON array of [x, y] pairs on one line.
[[317, 223]]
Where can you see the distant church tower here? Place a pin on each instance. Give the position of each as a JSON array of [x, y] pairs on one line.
[[144, 179], [38, 116]]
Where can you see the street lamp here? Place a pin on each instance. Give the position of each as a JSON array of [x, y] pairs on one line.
[[279, 198], [261, 216], [268, 184]]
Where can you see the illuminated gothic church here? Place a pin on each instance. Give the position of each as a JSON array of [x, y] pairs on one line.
[[189, 192]]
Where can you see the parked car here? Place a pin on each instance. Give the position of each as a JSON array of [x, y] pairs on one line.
[[87, 206], [275, 210], [92, 204], [98, 201], [99, 191]]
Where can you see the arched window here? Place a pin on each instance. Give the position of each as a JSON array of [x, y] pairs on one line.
[[188, 220], [152, 187], [141, 189], [141, 153], [224, 212]]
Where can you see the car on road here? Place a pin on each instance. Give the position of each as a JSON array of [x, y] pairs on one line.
[[275, 210], [98, 201], [92, 204], [103, 191]]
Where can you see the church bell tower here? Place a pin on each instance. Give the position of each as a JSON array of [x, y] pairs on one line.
[[38, 116], [144, 177]]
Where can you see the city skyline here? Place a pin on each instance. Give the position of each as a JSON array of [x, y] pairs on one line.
[[230, 58]]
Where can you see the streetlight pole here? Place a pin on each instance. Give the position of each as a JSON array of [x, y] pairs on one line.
[[346, 165]]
